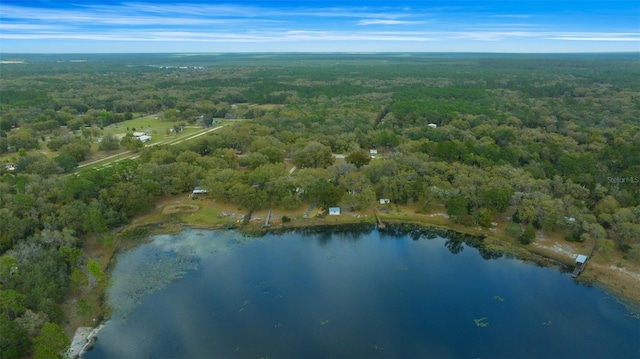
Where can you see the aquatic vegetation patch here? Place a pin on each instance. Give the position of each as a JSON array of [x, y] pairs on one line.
[[481, 322], [165, 259]]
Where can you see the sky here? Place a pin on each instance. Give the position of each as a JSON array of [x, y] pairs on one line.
[[103, 26]]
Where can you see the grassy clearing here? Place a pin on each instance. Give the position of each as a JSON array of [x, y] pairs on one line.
[[268, 106], [152, 125]]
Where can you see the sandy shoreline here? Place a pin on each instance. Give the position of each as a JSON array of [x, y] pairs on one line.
[[82, 341]]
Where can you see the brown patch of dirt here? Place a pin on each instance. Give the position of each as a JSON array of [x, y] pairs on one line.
[[180, 208]]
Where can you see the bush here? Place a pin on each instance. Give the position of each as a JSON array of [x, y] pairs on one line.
[[513, 230], [528, 235], [286, 219]]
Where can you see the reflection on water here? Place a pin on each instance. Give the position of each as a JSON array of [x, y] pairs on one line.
[[332, 293]]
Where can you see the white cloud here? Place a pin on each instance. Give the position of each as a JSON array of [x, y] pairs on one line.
[[388, 22], [594, 36], [256, 37], [492, 35], [513, 16], [574, 38]]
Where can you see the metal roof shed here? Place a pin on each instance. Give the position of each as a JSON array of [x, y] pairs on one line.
[[581, 258]]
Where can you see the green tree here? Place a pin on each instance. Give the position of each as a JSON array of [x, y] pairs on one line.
[[109, 143], [8, 268], [358, 158], [4, 145], [79, 149], [31, 322], [23, 138], [39, 164], [458, 207], [78, 279], [131, 143], [513, 230], [528, 235], [14, 341], [247, 196], [51, 343], [12, 303], [496, 198], [55, 143], [94, 222], [483, 217], [275, 154], [359, 191], [66, 161], [94, 268], [324, 193], [127, 198], [386, 138], [254, 160], [313, 155], [12, 228]]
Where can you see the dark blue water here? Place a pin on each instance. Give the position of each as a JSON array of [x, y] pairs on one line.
[[355, 295]]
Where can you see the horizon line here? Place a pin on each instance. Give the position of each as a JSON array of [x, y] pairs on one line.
[[317, 52]]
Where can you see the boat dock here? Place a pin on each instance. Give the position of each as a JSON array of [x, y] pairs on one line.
[[380, 223], [581, 262], [266, 221]]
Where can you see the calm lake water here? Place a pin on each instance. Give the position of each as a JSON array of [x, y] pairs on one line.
[[351, 294]]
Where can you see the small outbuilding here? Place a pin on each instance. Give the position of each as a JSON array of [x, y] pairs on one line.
[[581, 261], [144, 138], [334, 211], [199, 191]]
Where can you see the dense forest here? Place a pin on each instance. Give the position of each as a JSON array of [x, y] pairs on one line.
[[548, 143]]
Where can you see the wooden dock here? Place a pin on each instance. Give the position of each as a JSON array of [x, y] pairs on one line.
[[266, 221], [581, 262], [380, 223]]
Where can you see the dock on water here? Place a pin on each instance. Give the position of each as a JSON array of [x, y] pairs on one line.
[[581, 262], [380, 223], [266, 221]]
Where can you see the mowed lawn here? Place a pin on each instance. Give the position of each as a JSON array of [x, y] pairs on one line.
[[152, 125]]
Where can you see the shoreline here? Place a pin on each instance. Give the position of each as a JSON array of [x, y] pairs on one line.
[[136, 233], [493, 240], [83, 340]]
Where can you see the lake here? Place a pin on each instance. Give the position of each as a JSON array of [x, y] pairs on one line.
[[351, 293]]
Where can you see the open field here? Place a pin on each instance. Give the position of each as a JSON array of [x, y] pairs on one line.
[[152, 125], [160, 131], [106, 159]]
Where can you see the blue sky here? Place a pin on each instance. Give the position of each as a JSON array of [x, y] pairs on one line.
[[318, 26]]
